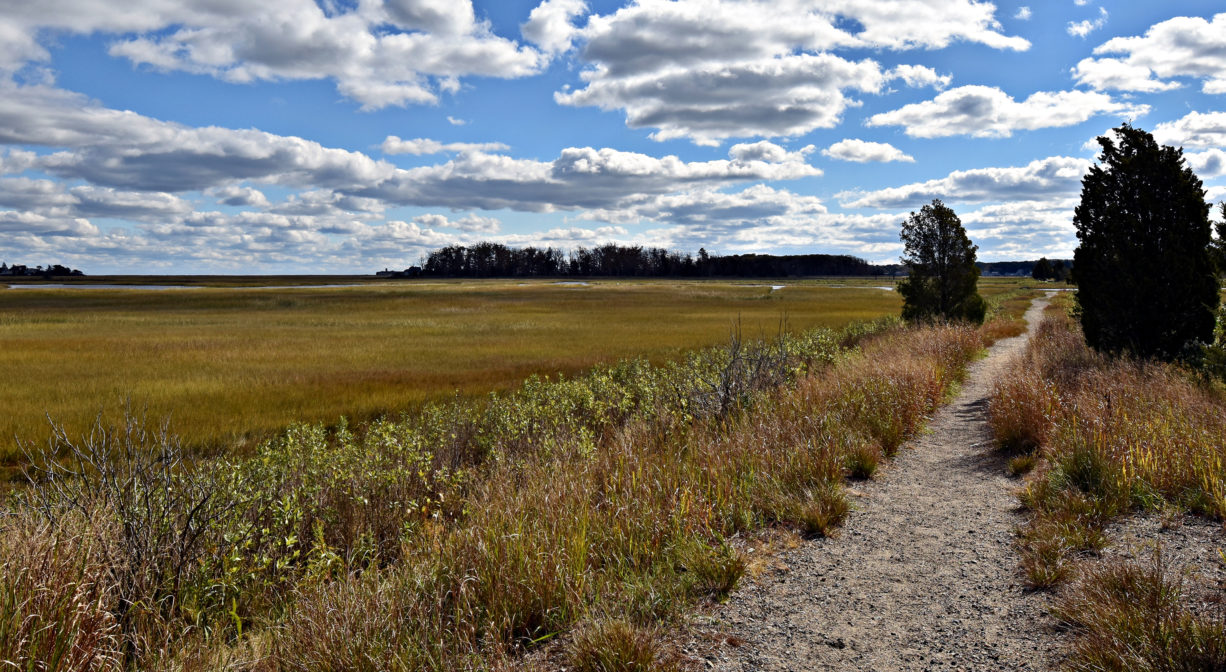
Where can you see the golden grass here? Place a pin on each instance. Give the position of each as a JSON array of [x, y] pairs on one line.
[[1107, 437], [229, 365], [459, 537]]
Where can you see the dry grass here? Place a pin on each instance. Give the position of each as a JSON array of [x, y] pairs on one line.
[[1128, 616], [1104, 438], [55, 599], [617, 646], [231, 366], [462, 535]]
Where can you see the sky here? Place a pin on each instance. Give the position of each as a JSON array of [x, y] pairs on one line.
[[348, 136]]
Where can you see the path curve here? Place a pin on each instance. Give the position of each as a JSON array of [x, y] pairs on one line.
[[924, 575]]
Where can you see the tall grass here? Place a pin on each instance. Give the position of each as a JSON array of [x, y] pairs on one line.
[[1109, 437], [580, 509], [235, 366]]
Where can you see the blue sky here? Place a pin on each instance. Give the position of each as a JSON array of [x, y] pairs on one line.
[[345, 136]]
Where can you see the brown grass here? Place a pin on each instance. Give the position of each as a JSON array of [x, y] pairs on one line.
[[1106, 437], [1133, 616], [464, 535], [232, 366]]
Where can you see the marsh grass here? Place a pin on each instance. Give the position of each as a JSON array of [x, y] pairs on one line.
[[462, 534], [1135, 616], [232, 366], [1104, 438]]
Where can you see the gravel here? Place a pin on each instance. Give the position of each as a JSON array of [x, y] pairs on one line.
[[923, 577]]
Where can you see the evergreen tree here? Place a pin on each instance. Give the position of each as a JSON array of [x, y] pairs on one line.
[[1144, 273], [1219, 243], [1042, 270], [943, 278]]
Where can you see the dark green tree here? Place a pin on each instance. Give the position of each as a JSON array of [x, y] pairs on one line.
[[1059, 271], [1219, 243], [940, 259], [1043, 270], [1145, 277]]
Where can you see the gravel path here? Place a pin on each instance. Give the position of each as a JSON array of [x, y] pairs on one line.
[[924, 576]]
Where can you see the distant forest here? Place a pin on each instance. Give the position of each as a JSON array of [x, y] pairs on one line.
[[51, 271], [494, 260]]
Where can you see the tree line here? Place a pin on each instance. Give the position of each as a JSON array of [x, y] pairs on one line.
[[495, 260], [50, 271]]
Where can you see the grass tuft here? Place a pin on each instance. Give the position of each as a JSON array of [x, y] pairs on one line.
[[1130, 616], [617, 646]]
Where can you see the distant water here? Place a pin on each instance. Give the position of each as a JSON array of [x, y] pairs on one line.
[[50, 285], [61, 286]]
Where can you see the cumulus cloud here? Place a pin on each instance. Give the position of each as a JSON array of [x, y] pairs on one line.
[[1023, 14], [240, 196], [134, 205], [709, 70], [916, 76], [1180, 47], [1207, 164], [862, 151], [1194, 130], [988, 112], [551, 24], [1023, 229], [127, 151], [1053, 177], [468, 224], [30, 225], [379, 53], [1083, 28], [784, 96], [580, 178], [418, 146]]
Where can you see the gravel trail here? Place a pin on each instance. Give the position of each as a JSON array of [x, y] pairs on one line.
[[924, 575]]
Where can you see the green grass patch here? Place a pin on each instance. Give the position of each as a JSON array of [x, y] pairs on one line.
[[233, 365]]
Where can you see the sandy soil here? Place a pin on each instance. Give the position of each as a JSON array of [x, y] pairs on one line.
[[924, 576]]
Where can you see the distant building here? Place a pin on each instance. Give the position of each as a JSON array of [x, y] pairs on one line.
[[410, 272]]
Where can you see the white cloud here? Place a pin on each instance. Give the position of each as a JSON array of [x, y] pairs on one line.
[[988, 112], [128, 151], [133, 205], [708, 70], [550, 25], [786, 96], [33, 225], [1179, 47], [394, 145], [1023, 229], [862, 151], [378, 53], [456, 122], [1207, 164], [1023, 14], [1053, 177], [580, 178], [1083, 28], [916, 76], [240, 196], [468, 224], [1193, 130]]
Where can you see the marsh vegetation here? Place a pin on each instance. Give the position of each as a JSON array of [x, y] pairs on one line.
[[590, 509]]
